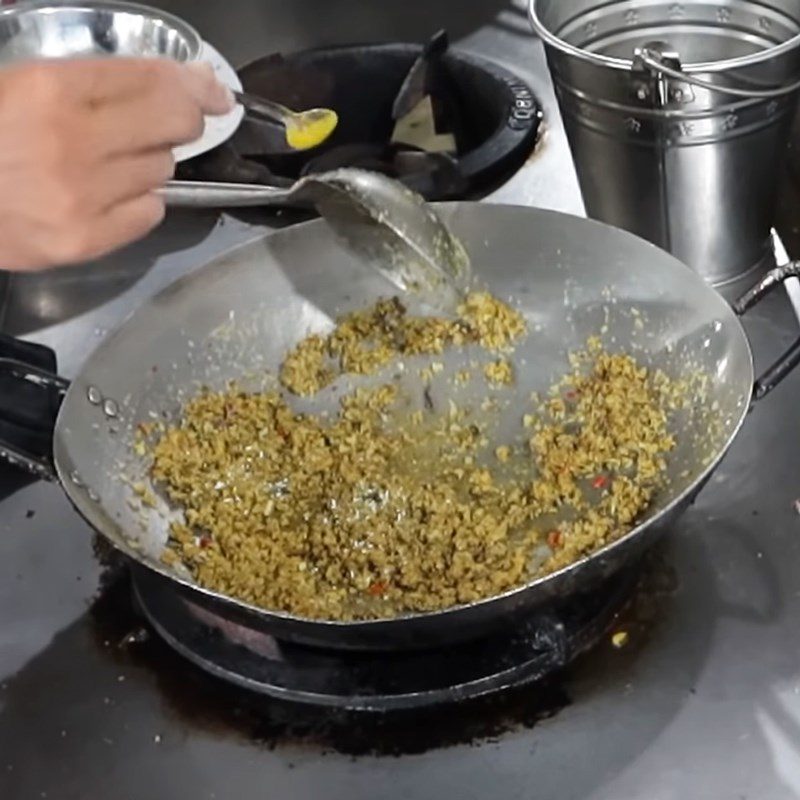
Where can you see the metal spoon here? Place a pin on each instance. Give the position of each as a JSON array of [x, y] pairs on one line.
[[385, 224], [304, 129]]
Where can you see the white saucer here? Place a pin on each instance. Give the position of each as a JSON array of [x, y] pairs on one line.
[[218, 129]]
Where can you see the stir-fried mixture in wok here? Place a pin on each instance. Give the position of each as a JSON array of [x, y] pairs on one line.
[[385, 509]]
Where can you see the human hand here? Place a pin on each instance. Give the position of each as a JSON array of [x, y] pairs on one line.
[[83, 146]]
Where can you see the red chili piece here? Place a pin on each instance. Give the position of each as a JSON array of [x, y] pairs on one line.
[[554, 539]]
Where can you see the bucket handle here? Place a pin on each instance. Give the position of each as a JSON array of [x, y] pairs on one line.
[[654, 61]]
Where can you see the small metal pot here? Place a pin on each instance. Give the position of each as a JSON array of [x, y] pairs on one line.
[[68, 30]]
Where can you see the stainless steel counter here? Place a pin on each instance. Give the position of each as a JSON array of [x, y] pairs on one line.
[[706, 705]]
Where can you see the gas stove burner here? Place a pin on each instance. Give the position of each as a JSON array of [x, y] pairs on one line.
[[380, 681], [447, 124]]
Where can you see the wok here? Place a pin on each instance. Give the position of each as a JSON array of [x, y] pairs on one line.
[[238, 315]]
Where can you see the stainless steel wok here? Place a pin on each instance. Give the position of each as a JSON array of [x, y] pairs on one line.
[[238, 315]]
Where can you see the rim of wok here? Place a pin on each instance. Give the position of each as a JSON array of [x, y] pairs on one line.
[[121, 540]]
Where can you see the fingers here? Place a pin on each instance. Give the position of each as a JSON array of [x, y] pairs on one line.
[[46, 245], [160, 119], [121, 224], [123, 179], [171, 111], [211, 95], [118, 80], [152, 77]]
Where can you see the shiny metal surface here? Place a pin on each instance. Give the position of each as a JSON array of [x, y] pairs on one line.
[[658, 66], [692, 169], [705, 705], [218, 195], [114, 28], [263, 108], [383, 223], [571, 278]]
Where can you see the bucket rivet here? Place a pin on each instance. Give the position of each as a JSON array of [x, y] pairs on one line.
[[765, 23], [633, 124], [723, 14], [642, 93], [631, 16]]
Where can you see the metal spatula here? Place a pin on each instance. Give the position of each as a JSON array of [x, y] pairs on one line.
[[385, 224]]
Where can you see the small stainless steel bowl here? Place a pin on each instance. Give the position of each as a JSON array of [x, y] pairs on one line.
[[69, 30]]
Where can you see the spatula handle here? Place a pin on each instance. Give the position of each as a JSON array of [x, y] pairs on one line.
[[208, 194]]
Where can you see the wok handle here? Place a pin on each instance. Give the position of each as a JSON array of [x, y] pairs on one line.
[[31, 379], [772, 376]]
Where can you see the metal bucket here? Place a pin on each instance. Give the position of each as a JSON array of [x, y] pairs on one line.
[[678, 115]]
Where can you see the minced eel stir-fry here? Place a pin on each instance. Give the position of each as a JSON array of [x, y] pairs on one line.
[[381, 510]]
